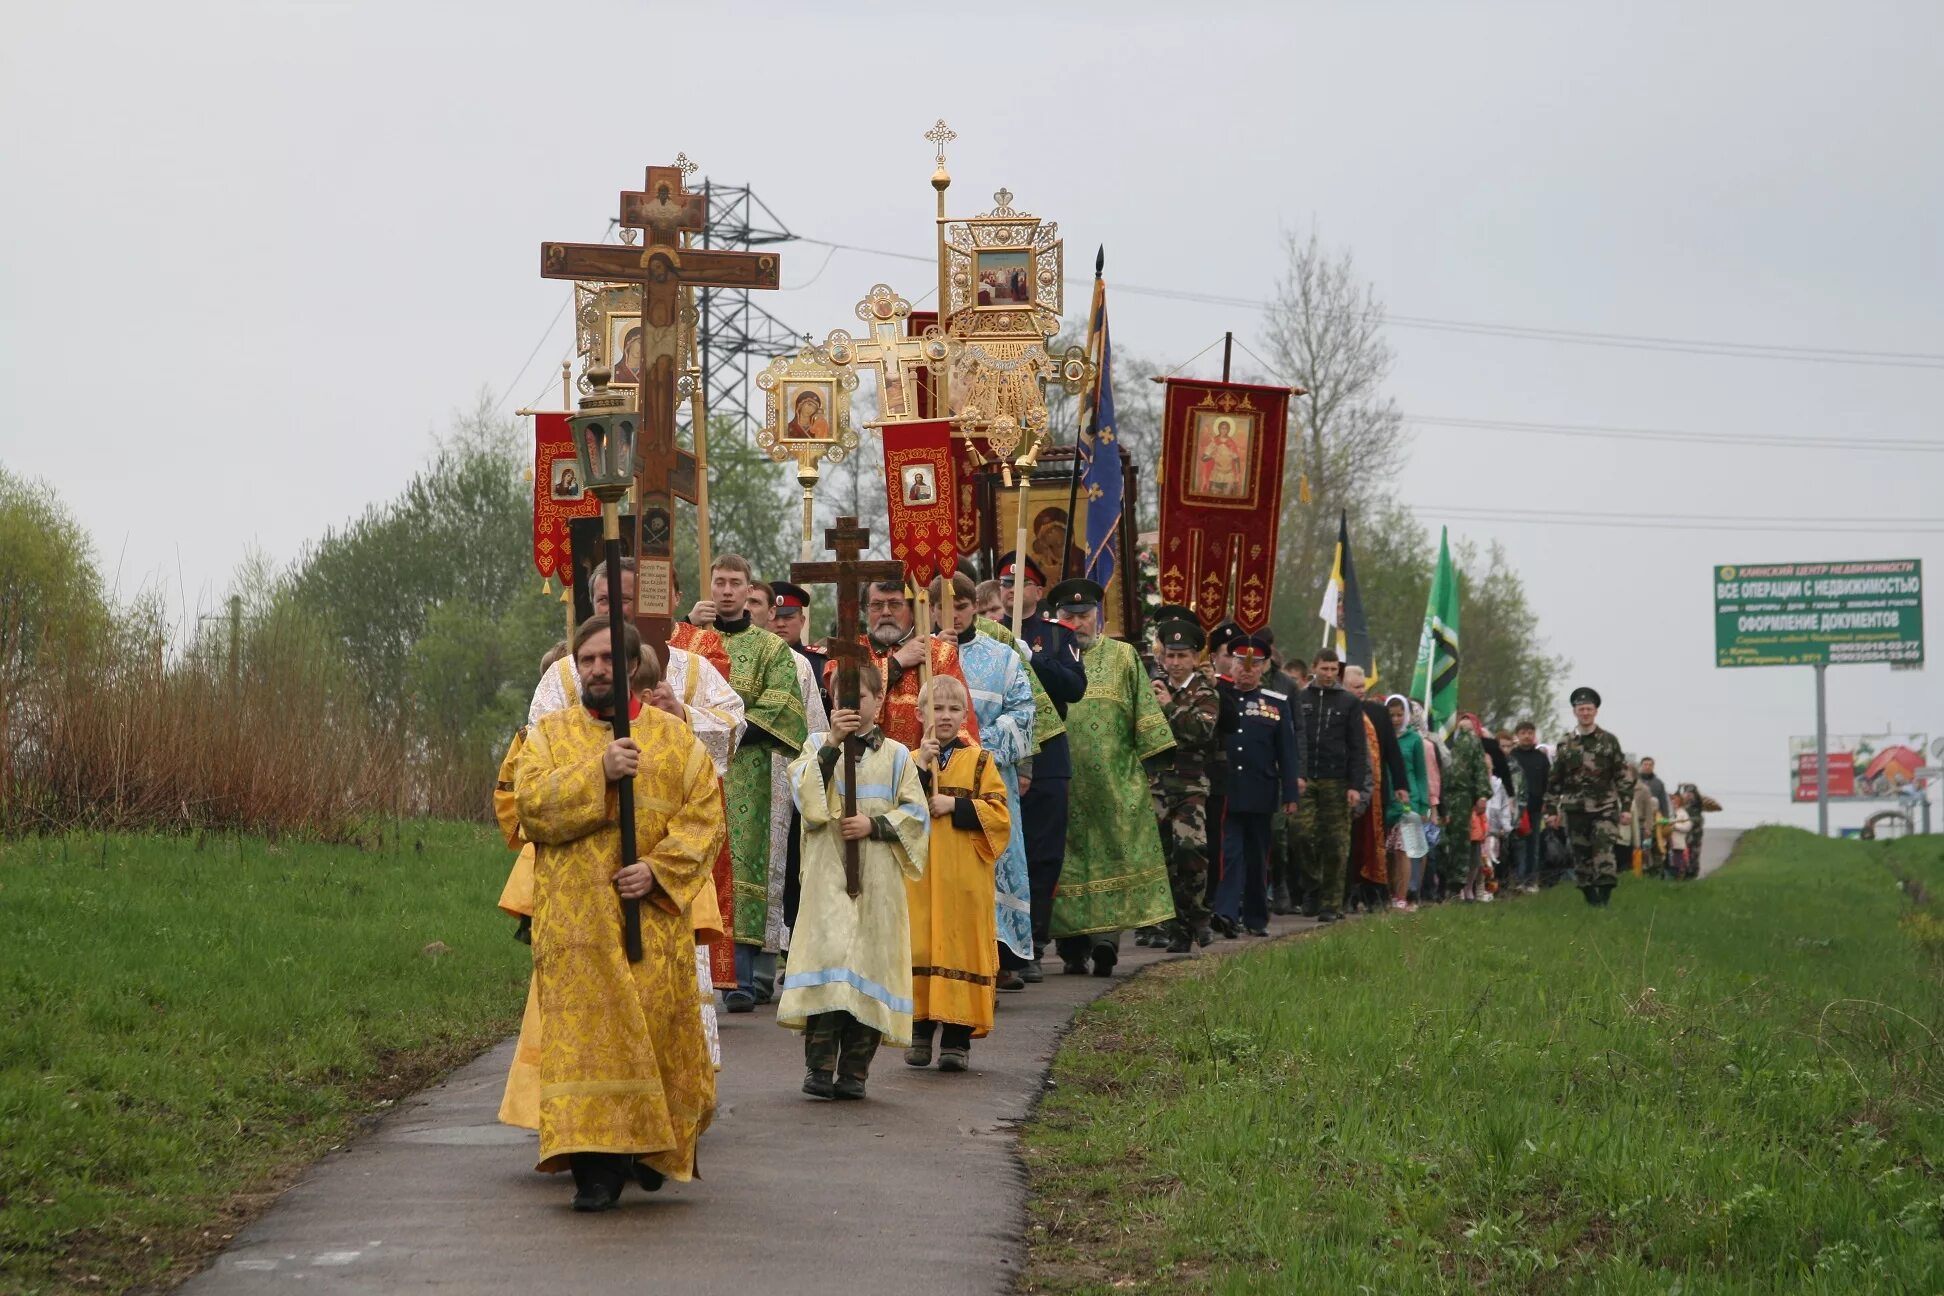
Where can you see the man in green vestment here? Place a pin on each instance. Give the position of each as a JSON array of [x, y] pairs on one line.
[[762, 669], [1116, 876]]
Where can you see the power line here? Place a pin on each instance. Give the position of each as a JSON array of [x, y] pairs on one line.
[[1600, 431], [1686, 521], [1521, 332]]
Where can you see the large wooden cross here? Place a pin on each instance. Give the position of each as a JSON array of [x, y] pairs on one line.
[[848, 541], [664, 209]]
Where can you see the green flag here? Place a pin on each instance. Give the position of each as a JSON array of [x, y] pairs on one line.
[[1435, 682]]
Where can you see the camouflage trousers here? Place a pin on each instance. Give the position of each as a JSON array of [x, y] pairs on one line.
[[1322, 830], [1184, 840], [838, 1042], [1592, 838]]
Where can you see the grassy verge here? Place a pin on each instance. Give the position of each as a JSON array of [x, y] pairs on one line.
[[1735, 1085], [190, 1020]]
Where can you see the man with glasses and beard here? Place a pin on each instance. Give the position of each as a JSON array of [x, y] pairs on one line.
[[891, 634], [1115, 876]]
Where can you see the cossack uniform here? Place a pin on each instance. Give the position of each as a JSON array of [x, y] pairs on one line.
[[1180, 786], [1262, 761]]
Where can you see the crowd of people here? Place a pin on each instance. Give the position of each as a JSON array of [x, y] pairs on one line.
[[885, 851]]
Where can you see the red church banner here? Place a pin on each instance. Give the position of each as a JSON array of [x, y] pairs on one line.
[[558, 497], [1221, 498], [921, 482], [968, 453]]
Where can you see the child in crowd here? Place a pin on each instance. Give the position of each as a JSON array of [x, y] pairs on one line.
[[1480, 833], [954, 931], [848, 984], [1677, 838]]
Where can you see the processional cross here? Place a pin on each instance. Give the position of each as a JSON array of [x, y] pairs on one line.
[[664, 210], [896, 356], [848, 541]]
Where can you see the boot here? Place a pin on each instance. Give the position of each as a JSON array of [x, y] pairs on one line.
[[1178, 942], [818, 1084], [1606, 894], [1205, 937], [597, 1182], [860, 1045], [1592, 894]]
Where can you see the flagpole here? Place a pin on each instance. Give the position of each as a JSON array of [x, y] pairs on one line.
[[1079, 428]]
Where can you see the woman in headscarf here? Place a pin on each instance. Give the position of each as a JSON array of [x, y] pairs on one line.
[[1403, 869], [1437, 760]]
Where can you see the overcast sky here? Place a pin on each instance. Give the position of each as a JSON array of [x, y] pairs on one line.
[[256, 253]]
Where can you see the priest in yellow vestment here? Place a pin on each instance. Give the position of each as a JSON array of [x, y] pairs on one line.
[[626, 1086]]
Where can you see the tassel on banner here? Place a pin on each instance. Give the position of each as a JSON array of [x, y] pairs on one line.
[[1302, 488]]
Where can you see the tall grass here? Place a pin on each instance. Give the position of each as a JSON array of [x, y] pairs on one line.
[[109, 732], [1729, 1086]]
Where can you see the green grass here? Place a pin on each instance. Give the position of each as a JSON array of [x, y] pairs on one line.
[[1735, 1085], [189, 1020]]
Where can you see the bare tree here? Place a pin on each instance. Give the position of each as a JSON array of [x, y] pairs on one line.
[[1325, 334]]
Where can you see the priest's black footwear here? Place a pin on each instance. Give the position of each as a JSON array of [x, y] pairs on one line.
[[1180, 944], [596, 1186], [1075, 967], [1104, 958], [1329, 916], [648, 1177], [818, 1084]]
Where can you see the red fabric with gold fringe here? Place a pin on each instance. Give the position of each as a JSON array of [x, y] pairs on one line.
[[1221, 498], [553, 442], [921, 482]]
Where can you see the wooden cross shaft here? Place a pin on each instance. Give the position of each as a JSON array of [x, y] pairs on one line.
[[664, 209], [848, 573]]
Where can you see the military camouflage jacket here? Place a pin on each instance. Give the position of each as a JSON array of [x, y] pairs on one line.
[[1192, 714], [1589, 773]]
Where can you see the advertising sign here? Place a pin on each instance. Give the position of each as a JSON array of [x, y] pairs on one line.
[[1819, 614], [1862, 767]]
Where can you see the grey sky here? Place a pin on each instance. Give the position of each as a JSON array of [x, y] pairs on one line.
[[255, 254]]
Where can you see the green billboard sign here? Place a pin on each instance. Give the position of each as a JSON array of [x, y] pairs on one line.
[[1820, 614]]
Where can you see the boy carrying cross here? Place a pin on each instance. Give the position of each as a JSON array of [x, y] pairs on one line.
[[848, 984]]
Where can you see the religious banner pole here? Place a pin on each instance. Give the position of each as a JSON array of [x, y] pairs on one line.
[[848, 541], [605, 444]]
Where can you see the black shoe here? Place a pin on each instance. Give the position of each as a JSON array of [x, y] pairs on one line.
[[1031, 973], [1221, 925], [849, 1087], [739, 1001], [597, 1181], [1075, 967], [1205, 937], [818, 1084], [1606, 894], [1011, 981], [1592, 895], [1258, 931], [648, 1177], [1180, 944], [1104, 958], [1143, 937], [1329, 916]]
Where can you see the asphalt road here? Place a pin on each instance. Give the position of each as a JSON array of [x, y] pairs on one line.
[[917, 1189]]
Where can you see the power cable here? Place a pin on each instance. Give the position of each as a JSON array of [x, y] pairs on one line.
[[1685, 521], [1604, 431]]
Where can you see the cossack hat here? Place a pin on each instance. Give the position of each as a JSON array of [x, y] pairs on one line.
[[1584, 694], [1010, 563], [1251, 646], [1180, 633], [789, 596], [1077, 592], [1223, 635]]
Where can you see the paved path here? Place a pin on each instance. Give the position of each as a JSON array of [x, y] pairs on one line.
[[917, 1189]]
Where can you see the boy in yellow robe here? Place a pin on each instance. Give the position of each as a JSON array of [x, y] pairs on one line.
[[626, 1086], [848, 985], [954, 931]]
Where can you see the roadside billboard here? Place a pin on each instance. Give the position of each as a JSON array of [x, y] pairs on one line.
[[1820, 614], [1862, 767]]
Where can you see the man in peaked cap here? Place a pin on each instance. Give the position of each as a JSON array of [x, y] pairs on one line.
[[1588, 791], [1114, 877], [1192, 704], [1264, 771], [1220, 669]]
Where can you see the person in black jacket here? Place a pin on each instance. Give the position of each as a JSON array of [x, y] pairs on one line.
[[1337, 764], [1535, 767], [1043, 798]]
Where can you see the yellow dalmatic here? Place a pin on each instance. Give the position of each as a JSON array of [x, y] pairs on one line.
[[954, 924], [624, 1065]]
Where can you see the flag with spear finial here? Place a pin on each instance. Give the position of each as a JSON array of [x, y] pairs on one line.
[[1100, 462]]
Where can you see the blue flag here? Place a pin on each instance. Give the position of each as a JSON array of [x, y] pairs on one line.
[[1099, 446]]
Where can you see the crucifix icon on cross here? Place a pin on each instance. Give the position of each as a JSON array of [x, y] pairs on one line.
[[896, 357]]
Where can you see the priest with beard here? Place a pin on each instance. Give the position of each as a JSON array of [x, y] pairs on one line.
[[626, 1085], [899, 656]]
